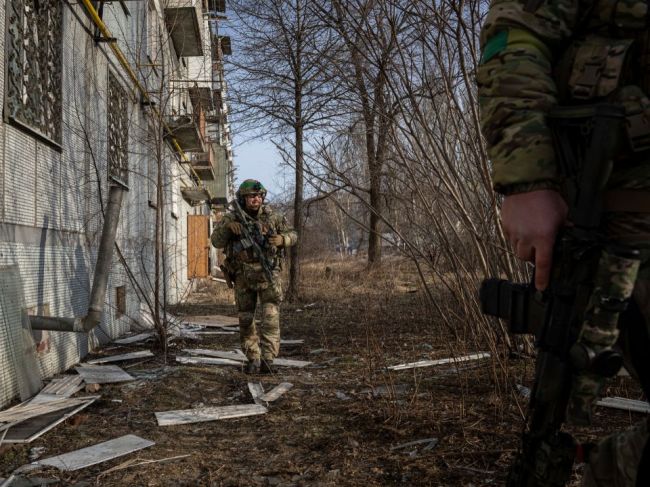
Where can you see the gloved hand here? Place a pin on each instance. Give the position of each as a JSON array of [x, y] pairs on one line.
[[276, 240], [235, 228]]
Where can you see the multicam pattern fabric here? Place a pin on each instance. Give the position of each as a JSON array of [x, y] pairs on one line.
[[251, 283], [538, 54], [615, 279]]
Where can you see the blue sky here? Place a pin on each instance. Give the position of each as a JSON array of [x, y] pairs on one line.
[[259, 159]]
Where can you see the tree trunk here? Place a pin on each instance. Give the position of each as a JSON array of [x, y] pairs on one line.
[[294, 269], [374, 238]]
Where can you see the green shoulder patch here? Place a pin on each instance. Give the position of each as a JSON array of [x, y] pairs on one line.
[[494, 46]]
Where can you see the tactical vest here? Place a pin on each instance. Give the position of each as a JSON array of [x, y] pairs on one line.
[[609, 60]]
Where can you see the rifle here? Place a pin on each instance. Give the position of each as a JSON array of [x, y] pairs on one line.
[[581, 299], [252, 238]]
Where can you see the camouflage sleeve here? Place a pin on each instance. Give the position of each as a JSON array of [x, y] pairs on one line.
[[283, 228], [516, 89], [221, 235]]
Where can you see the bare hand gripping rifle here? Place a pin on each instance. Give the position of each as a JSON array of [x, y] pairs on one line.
[[575, 319]]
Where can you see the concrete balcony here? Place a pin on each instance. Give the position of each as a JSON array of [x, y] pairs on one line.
[[203, 164], [187, 132], [183, 18]]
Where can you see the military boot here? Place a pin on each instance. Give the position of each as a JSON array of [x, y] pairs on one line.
[[266, 366], [252, 367]]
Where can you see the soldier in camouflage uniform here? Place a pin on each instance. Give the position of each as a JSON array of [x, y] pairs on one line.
[[250, 281], [537, 54]]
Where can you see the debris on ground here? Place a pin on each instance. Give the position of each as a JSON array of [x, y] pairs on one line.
[[120, 358], [429, 363], [103, 374], [198, 415], [92, 455]]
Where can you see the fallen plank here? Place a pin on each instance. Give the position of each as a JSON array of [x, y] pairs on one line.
[[292, 342], [95, 454], [276, 392], [186, 416], [134, 338], [207, 361], [285, 362], [216, 353], [103, 374], [119, 358], [31, 429], [625, 404], [256, 391], [25, 411], [429, 363], [58, 389], [223, 331]]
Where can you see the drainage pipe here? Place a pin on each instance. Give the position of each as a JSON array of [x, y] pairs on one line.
[[100, 280]]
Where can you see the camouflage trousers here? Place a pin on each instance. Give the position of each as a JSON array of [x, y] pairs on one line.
[[616, 460], [265, 341]]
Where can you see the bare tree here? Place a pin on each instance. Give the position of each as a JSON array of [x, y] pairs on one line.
[[280, 86]]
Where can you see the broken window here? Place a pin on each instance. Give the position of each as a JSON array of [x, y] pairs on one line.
[[34, 51], [118, 131]]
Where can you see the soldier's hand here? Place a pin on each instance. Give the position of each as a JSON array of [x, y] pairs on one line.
[[235, 228], [276, 240], [531, 222]]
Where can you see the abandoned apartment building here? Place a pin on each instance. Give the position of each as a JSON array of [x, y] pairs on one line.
[[115, 150]]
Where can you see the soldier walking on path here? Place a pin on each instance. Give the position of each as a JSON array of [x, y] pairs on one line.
[[254, 239], [541, 54]]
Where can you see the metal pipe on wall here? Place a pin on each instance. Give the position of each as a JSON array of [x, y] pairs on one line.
[[100, 279]]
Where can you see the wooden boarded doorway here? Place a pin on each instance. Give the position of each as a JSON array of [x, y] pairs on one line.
[[198, 245]]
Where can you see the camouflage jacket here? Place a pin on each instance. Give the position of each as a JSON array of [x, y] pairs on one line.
[[269, 222], [537, 54]]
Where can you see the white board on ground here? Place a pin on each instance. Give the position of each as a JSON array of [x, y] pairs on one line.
[[24, 411], [429, 363], [286, 362], [292, 342], [119, 358], [276, 392], [625, 404], [216, 353], [256, 391], [95, 454], [206, 361], [199, 415], [134, 338], [59, 388], [103, 374]]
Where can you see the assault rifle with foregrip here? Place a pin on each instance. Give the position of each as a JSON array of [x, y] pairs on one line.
[[580, 306], [253, 239]]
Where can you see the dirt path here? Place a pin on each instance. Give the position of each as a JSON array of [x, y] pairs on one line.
[[337, 426]]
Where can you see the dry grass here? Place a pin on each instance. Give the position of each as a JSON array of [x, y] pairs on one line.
[[337, 425]]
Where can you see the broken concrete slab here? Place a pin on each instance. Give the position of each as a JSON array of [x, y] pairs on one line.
[[625, 404], [276, 392], [207, 361], [187, 416], [103, 374], [122, 357], [134, 338], [92, 455], [429, 363]]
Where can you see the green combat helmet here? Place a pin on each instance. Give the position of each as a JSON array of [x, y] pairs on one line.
[[250, 186]]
